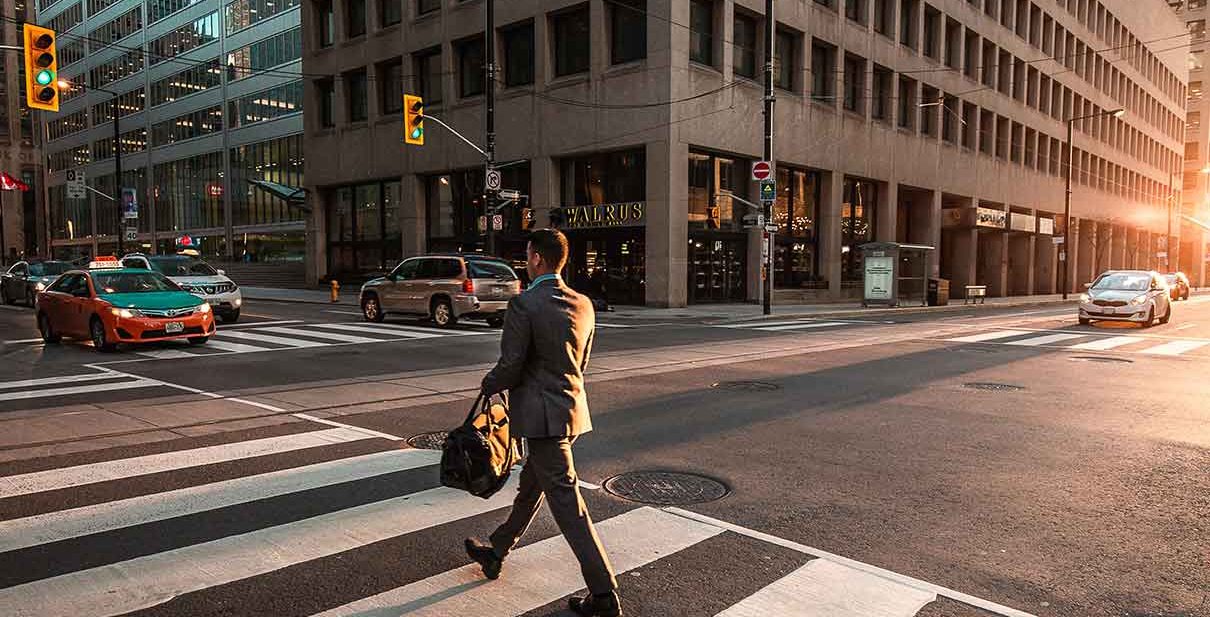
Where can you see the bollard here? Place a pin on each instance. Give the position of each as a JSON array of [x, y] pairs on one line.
[[335, 291]]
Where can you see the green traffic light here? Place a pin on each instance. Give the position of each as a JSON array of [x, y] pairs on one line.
[[417, 132], [44, 77]]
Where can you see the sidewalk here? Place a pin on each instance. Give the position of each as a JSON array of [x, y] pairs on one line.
[[348, 296]]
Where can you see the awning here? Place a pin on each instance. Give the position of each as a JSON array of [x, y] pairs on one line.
[[294, 196]]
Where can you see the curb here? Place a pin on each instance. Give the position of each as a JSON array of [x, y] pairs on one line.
[[911, 310]]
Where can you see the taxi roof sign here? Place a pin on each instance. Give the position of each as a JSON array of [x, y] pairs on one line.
[[101, 263]]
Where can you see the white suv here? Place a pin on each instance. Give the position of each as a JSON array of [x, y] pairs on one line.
[[196, 277]]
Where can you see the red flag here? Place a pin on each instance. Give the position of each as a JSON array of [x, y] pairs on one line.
[[9, 183]]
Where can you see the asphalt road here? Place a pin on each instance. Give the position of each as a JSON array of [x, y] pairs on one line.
[[977, 461]]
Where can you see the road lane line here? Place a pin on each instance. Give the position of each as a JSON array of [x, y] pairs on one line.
[[383, 329], [823, 587], [65, 524], [358, 313], [1175, 348], [24, 341], [976, 602], [259, 324], [802, 326], [104, 387], [1185, 326], [327, 336], [987, 336], [170, 354], [148, 581], [1047, 340], [64, 477], [1106, 344], [537, 573], [43, 381], [277, 340]]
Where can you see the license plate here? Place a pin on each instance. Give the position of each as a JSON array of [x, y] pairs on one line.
[[174, 327]]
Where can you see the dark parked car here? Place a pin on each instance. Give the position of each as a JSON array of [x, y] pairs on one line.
[[25, 279], [1178, 285]]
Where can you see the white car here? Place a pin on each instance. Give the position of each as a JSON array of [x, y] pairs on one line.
[[196, 277], [1136, 296]]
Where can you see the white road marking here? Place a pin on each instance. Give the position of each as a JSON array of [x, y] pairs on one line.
[[265, 338], [1185, 326], [537, 574], [170, 354], [64, 477], [11, 308], [987, 336], [1106, 344], [826, 588], [259, 324], [230, 347], [364, 431], [24, 341], [1175, 348], [802, 326], [44, 381], [105, 387], [612, 325], [358, 313], [327, 336], [389, 330], [55, 526], [148, 581], [1047, 340]]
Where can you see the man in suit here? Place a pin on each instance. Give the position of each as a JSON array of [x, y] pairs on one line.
[[548, 333]]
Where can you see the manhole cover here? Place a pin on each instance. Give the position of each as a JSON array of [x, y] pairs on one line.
[[428, 441], [1104, 359], [993, 387], [745, 386], [665, 488]]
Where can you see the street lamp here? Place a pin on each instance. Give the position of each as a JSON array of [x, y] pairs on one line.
[[1116, 113], [65, 85]]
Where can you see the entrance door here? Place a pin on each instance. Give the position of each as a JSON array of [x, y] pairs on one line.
[[611, 263], [717, 268]]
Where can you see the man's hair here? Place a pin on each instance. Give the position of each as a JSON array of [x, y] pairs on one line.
[[551, 244]]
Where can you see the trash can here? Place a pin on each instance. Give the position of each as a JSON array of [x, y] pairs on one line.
[[939, 292]]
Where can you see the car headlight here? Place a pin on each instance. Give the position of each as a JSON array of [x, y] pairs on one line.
[[125, 313], [1138, 300], [39, 286], [203, 308], [1085, 298]]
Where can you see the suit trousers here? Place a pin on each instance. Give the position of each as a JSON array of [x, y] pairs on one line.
[[550, 473]]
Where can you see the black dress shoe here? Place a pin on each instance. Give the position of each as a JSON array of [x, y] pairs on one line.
[[601, 605], [486, 557]]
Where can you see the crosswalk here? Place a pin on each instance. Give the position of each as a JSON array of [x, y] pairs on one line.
[[1089, 341], [174, 532]]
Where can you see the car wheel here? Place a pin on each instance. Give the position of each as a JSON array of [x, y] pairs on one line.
[[371, 309], [443, 313], [97, 329], [199, 340], [231, 317], [1167, 315], [1084, 321], [48, 333], [495, 322], [1150, 318], [30, 298]]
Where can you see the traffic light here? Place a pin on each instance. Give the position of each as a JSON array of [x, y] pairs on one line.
[[714, 217], [41, 69], [413, 119]]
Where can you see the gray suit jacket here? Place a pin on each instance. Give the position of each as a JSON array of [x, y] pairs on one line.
[[548, 333]]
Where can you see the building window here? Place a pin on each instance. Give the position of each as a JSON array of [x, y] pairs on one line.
[[854, 83], [745, 46], [117, 69], [184, 201], [858, 214], [279, 161], [518, 54], [327, 23], [265, 105], [424, 7], [786, 60], [701, 31], [366, 232], [712, 181], [907, 103], [391, 89], [392, 12], [471, 78], [932, 33], [953, 44], [327, 103], [243, 13], [264, 54], [187, 82], [192, 35], [116, 30], [907, 23], [356, 15], [928, 113], [159, 9], [950, 119], [1197, 30], [454, 207], [855, 10], [428, 76], [358, 94], [884, 14], [628, 30], [880, 102], [823, 72], [572, 42], [795, 212], [194, 124], [970, 125], [128, 103], [70, 18]]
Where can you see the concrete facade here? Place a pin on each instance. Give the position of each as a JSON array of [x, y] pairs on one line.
[[1196, 178], [23, 230], [979, 177]]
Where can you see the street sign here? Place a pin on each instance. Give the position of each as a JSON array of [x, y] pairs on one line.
[[1062, 255], [754, 221], [75, 185], [510, 194], [761, 170], [498, 222], [771, 228], [130, 204], [132, 234], [492, 181], [1058, 239], [768, 190]]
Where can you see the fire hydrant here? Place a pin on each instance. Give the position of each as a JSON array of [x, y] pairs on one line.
[[335, 290]]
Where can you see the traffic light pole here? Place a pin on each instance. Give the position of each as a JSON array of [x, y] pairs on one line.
[[767, 303], [490, 194], [117, 175]]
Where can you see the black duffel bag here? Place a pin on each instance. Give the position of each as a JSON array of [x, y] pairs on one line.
[[478, 456]]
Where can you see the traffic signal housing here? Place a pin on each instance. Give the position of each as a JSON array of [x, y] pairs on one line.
[[413, 120], [41, 69]]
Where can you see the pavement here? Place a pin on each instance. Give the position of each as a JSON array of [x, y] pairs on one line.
[[972, 461]]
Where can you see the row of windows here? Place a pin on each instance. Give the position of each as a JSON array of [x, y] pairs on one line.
[[128, 103], [266, 105], [264, 54], [96, 6], [189, 81], [243, 13], [188, 126], [194, 34], [121, 67], [66, 125], [117, 29], [66, 159], [71, 53], [132, 141], [159, 9], [68, 19]]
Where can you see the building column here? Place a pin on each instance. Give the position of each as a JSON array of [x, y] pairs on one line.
[[1118, 248], [413, 218], [317, 238], [933, 234], [1020, 263], [667, 224], [1086, 260], [888, 214], [830, 238], [1046, 265], [994, 254]]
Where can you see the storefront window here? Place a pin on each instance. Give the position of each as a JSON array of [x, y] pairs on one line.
[[363, 228], [795, 212], [189, 193], [457, 218], [718, 245], [857, 223], [712, 181], [279, 161]]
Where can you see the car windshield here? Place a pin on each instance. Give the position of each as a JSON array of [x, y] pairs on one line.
[[1171, 278], [132, 282], [48, 268], [482, 269], [181, 266], [1123, 281]]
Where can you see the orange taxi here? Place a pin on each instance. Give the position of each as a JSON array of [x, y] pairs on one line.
[[112, 305]]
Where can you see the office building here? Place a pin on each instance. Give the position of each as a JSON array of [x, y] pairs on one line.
[[22, 232], [1193, 250]]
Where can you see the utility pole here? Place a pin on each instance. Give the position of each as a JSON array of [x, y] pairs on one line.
[[490, 192], [1065, 252], [1168, 240], [770, 19]]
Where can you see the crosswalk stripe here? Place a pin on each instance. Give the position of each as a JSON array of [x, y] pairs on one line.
[[44, 381], [234, 347], [327, 336], [266, 338], [612, 325], [1046, 340], [1106, 344], [763, 324], [825, 588], [64, 524], [63, 477], [389, 330], [803, 326], [1175, 348], [986, 336], [169, 354], [103, 387], [147, 581], [537, 574]]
